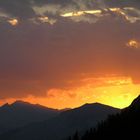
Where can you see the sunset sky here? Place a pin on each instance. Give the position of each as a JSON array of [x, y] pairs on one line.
[[65, 53]]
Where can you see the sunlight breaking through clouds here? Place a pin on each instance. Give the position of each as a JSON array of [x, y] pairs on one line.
[[133, 43], [46, 19], [53, 13], [106, 12], [13, 22]]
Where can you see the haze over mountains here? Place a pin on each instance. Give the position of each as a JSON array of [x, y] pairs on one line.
[[62, 125]]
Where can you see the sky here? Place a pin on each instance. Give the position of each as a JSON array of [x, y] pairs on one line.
[[65, 53]]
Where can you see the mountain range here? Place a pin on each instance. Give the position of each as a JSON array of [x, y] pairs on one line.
[[22, 113], [25, 121], [124, 125], [57, 125]]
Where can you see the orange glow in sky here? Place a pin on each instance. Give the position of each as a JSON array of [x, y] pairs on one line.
[[114, 91]]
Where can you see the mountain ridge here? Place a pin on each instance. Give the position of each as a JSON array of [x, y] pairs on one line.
[[135, 103], [65, 124], [122, 125], [21, 113]]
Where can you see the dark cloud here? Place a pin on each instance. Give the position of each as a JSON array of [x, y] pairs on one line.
[[17, 8], [29, 9]]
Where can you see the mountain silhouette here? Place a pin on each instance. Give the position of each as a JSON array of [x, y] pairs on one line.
[[136, 103], [63, 125], [22, 113], [120, 126]]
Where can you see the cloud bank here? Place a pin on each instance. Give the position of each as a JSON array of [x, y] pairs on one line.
[[36, 11]]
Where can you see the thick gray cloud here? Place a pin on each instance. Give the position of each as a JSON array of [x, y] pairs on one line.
[[31, 9], [17, 8]]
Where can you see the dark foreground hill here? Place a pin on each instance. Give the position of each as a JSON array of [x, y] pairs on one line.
[[64, 124], [124, 125], [22, 113]]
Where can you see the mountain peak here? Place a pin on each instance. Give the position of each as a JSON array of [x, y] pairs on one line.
[[5, 105], [20, 102], [96, 104], [94, 107], [91, 104]]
